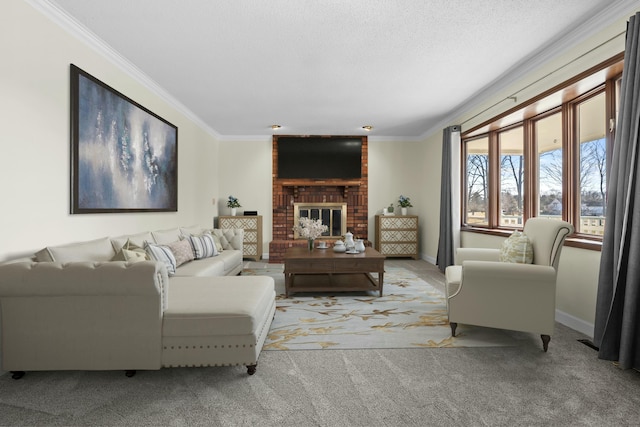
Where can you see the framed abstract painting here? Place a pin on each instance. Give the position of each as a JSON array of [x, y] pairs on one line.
[[124, 158]]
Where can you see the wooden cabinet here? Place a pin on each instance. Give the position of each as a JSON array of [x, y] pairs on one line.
[[397, 235], [252, 226]]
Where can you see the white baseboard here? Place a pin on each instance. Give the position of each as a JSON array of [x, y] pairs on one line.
[[429, 259], [575, 323]]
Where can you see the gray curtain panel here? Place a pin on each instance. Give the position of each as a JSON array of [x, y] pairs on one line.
[[617, 327], [446, 245]]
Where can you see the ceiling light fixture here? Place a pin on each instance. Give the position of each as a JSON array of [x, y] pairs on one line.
[[275, 127], [367, 127]]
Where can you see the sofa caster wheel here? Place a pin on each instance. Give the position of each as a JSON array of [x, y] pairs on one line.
[[130, 373], [251, 369], [16, 375]]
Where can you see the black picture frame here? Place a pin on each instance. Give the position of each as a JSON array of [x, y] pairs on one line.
[[124, 157]]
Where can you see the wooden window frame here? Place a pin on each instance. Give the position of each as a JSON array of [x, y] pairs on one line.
[[571, 96]]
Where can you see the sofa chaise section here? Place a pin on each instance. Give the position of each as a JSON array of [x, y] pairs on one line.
[[129, 316], [225, 326]]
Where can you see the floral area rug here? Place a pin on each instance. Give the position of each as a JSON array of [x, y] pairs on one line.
[[411, 313]]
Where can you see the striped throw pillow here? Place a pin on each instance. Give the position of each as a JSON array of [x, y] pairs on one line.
[[203, 246], [163, 254]]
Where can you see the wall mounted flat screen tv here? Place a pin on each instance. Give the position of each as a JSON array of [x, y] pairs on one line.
[[319, 157]]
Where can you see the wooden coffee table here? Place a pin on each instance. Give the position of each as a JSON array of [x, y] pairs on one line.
[[323, 270]]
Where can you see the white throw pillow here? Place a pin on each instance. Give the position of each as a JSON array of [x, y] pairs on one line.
[[517, 248], [130, 256]]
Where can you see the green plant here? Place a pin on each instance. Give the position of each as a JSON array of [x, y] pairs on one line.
[[233, 202], [404, 202]]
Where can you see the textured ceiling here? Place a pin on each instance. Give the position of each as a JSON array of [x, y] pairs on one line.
[[328, 66]]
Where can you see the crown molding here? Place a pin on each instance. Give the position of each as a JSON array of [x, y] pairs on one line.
[[565, 41], [245, 138], [374, 138], [68, 23]]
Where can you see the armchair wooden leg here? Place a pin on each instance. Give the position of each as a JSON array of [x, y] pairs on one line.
[[545, 341], [453, 325]]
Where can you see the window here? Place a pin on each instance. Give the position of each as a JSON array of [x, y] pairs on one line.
[[548, 142], [511, 177], [477, 188], [592, 154], [547, 158]]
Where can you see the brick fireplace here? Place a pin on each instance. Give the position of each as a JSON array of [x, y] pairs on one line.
[[289, 192]]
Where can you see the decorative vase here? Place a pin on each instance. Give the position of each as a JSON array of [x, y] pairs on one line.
[[233, 211], [348, 241], [311, 242], [403, 210]]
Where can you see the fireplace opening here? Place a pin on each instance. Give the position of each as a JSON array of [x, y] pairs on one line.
[[333, 215]]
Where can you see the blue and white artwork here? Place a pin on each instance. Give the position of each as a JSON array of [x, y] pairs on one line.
[[126, 157]]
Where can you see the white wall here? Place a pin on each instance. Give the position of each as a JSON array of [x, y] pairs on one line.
[[393, 171], [245, 172], [35, 144]]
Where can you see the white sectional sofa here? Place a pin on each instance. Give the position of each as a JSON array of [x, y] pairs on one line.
[[73, 307]]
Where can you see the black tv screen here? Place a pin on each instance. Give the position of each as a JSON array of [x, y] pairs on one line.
[[319, 157]]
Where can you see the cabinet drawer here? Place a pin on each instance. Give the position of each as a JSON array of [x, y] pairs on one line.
[[308, 266], [399, 222], [249, 249], [239, 222], [398, 248], [358, 265], [399, 235]]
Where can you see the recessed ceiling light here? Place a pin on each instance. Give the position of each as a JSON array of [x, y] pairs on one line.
[[367, 127], [275, 127]]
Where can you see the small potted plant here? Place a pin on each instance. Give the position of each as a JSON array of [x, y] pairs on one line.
[[404, 203], [233, 203]]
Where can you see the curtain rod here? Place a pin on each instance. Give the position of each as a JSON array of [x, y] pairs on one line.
[[514, 98]]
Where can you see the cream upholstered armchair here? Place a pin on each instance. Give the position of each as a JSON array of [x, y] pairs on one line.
[[484, 290]]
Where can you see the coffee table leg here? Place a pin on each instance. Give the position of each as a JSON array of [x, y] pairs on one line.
[[287, 278], [380, 280]]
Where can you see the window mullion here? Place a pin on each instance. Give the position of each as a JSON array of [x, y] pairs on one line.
[[530, 172], [570, 167], [494, 180]]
